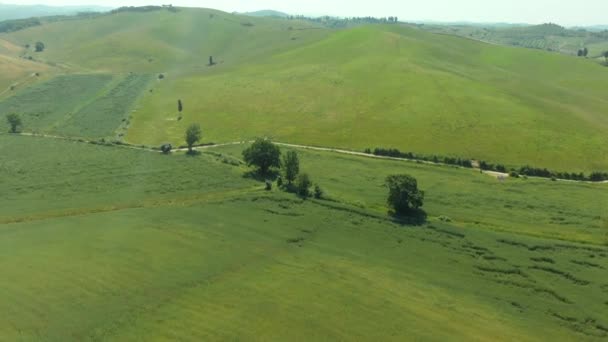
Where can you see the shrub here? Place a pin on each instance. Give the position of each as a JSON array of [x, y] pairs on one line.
[[268, 185], [303, 185], [14, 121], [291, 164], [166, 148], [318, 192]]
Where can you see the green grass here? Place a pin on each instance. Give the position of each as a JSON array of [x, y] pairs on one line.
[[536, 207], [374, 86], [401, 88], [85, 105], [137, 245]]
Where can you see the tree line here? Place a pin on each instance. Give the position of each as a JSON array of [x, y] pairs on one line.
[[486, 166], [345, 22]]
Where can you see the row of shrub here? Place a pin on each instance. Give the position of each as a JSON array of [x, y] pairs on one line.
[[395, 153], [483, 165]]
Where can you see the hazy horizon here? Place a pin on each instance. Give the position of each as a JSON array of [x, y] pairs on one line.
[[582, 13]]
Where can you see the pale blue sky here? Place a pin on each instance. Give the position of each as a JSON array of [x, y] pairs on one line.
[[564, 12]]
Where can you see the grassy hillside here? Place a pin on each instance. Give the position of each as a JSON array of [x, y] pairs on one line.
[[139, 245], [402, 88], [386, 86]]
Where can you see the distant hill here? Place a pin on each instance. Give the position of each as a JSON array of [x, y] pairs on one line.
[[549, 37], [8, 12], [267, 13]]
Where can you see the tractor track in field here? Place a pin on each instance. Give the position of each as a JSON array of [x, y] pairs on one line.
[[494, 174]]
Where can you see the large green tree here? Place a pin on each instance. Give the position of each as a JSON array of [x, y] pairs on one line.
[[193, 135], [263, 154], [291, 165], [404, 194], [14, 121]]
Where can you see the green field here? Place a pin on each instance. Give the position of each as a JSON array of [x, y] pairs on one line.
[[85, 105], [372, 86], [118, 242], [138, 245]]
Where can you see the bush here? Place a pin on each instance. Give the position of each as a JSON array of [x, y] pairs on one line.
[[280, 182], [268, 185], [39, 46], [303, 185], [318, 192], [166, 148], [291, 164], [513, 174]]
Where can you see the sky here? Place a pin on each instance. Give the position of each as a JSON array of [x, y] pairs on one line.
[[563, 12]]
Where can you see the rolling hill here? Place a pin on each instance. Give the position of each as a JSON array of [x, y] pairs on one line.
[[103, 240], [383, 85]]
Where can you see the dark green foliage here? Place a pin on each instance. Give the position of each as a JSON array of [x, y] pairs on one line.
[[404, 194], [14, 121], [291, 165], [395, 153], [268, 185], [263, 154], [211, 62], [193, 135], [180, 106], [318, 192], [18, 24], [514, 174], [166, 148], [39, 46], [280, 181], [303, 185]]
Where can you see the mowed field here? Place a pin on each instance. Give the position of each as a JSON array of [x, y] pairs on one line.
[[113, 243], [391, 86], [77, 105]]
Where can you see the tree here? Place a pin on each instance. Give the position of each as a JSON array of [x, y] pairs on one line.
[[193, 135], [180, 106], [14, 121], [263, 154], [605, 55], [403, 193], [39, 46], [303, 185], [579, 53], [291, 163], [585, 52], [211, 60]]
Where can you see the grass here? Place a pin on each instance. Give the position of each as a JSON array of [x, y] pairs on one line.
[[140, 245], [84, 105], [537, 207], [389, 86], [488, 102]]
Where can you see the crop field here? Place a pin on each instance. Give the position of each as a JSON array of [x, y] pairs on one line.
[[91, 106], [139, 245]]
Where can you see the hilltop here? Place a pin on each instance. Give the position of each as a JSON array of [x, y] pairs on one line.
[[392, 85], [8, 11]]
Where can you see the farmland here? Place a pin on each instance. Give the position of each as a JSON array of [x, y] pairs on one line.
[[89, 105], [102, 237], [179, 247]]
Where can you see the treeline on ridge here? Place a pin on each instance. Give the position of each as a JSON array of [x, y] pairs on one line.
[[483, 165]]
